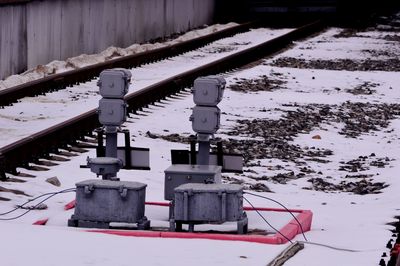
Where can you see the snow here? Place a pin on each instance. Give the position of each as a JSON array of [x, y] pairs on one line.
[[341, 219], [37, 113], [111, 52], [50, 246], [328, 46]]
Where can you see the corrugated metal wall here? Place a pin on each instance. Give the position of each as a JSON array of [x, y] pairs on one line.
[[38, 32], [13, 50]]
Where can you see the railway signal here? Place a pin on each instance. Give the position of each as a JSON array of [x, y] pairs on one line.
[[195, 190], [101, 202]]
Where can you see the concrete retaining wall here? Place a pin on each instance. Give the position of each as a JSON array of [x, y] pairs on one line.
[[38, 32]]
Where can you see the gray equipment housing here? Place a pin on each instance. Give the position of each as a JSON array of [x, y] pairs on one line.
[[205, 119], [209, 90], [101, 202], [104, 166], [112, 112], [179, 174], [114, 83], [208, 203]]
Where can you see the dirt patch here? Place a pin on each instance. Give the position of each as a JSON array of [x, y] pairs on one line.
[[360, 118], [392, 38], [362, 187], [273, 139], [363, 163], [348, 33], [220, 49], [282, 178], [262, 83], [389, 65], [364, 89]]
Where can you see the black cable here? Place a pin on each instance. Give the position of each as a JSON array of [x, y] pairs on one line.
[[50, 196], [277, 202], [50, 193], [333, 247], [265, 220]]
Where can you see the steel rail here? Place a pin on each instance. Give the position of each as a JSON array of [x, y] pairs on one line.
[[62, 80], [39, 145]]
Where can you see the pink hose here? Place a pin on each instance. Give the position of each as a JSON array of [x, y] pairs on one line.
[[290, 230]]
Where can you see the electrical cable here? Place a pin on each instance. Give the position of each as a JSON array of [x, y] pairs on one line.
[[301, 228], [20, 206], [50, 193], [265, 220], [283, 206], [332, 247]]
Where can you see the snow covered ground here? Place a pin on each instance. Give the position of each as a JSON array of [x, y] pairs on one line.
[[325, 139], [111, 52], [32, 114]]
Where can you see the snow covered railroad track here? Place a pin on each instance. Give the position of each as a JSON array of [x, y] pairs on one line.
[[44, 139], [63, 80]]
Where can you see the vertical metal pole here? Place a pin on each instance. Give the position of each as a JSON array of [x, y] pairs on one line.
[[220, 154], [100, 144], [193, 151], [204, 153], [128, 159], [111, 141]]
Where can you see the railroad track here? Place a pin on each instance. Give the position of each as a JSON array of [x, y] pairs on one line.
[[41, 144], [61, 81]]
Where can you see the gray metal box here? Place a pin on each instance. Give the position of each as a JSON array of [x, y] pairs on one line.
[[205, 119], [110, 201], [208, 91], [179, 174], [112, 112], [215, 203], [114, 83], [104, 165]]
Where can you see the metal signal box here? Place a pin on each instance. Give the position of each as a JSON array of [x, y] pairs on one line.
[[179, 174], [100, 202], [105, 166], [209, 203], [205, 119], [208, 91], [114, 83], [112, 112]]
